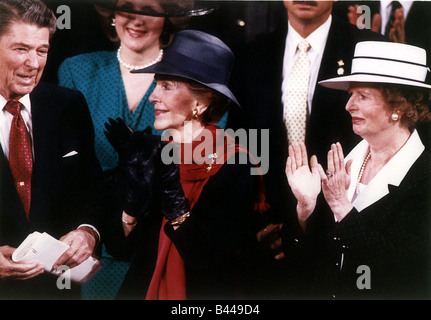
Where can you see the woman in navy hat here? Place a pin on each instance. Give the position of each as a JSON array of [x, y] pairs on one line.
[[379, 245], [141, 30], [211, 202]]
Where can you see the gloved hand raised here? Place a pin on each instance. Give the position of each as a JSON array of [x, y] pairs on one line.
[[139, 154], [174, 203]]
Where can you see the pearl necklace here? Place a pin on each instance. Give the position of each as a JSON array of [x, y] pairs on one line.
[[132, 67], [361, 172]]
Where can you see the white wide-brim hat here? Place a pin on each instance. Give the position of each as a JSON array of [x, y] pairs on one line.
[[384, 62]]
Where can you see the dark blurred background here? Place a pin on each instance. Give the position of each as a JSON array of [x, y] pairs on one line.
[[235, 22]]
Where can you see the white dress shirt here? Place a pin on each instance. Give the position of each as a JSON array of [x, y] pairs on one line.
[[385, 11], [392, 173], [317, 40], [6, 121]]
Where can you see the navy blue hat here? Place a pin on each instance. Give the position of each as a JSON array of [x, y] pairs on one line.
[[197, 56]]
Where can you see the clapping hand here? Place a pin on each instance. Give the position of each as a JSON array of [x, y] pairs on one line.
[[355, 16], [174, 203], [397, 32], [139, 154], [304, 182], [336, 182]]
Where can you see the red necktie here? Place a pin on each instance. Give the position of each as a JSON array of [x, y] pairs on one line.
[[20, 154]]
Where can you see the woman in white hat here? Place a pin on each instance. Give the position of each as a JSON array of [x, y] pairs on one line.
[[379, 244]]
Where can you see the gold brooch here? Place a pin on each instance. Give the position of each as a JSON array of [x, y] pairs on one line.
[[213, 157]]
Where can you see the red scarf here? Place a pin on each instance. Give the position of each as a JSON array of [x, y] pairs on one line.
[[169, 278]]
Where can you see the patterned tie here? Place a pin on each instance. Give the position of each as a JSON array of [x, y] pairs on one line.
[[395, 5], [20, 154], [295, 111]]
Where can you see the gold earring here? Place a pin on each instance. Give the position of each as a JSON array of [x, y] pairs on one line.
[[195, 114]]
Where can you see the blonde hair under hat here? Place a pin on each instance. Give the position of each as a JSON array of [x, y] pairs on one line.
[[384, 62]]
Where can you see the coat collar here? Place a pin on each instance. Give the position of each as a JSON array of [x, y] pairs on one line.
[[392, 173]]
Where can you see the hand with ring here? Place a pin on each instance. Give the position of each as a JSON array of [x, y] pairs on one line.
[[336, 182]]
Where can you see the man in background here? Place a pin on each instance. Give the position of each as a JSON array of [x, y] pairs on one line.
[[264, 77]]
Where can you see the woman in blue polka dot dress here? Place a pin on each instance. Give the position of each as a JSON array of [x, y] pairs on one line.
[[142, 30], [104, 77]]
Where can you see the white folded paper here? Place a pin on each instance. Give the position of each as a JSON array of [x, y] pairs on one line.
[[46, 249]]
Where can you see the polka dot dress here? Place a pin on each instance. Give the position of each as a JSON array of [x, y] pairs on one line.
[[97, 75]]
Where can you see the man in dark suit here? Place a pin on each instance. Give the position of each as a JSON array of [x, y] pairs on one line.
[[65, 193], [258, 81]]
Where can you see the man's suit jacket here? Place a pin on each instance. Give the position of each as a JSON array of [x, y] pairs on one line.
[[66, 188], [256, 82]]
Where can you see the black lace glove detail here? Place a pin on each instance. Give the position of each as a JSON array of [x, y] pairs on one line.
[[139, 153], [173, 201]]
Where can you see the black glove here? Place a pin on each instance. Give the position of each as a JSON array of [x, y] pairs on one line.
[[139, 154], [173, 201]]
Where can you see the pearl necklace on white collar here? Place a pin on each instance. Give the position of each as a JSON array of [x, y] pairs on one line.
[[132, 67], [361, 172]]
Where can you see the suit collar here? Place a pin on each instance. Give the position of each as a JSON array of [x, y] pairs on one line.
[[392, 174]]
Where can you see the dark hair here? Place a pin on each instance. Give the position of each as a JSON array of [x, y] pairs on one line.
[[412, 102], [26, 11], [171, 27]]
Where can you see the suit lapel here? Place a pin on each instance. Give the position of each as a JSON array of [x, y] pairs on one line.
[[42, 145], [335, 57], [45, 147]]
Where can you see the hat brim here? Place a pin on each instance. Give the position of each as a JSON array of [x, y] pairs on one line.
[[198, 10], [343, 83], [164, 68]]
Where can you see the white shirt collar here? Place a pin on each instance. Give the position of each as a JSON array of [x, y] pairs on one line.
[[25, 100], [6, 119], [392, 173], [317, 39]]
